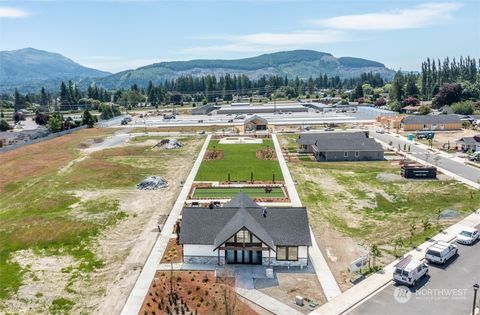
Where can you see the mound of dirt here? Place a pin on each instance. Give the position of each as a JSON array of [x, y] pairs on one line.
[[169, 144], [213, 155], [266, 154], [152, 183]]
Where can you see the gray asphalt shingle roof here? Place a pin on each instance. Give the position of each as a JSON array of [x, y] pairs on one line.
[[339, 141], [282, 226], [432, 119]]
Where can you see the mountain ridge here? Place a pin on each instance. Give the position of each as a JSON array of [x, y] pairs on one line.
[[25, 75]]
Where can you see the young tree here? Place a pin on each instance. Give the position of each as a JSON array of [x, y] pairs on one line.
[[424, 110], [4, 126], [55, 123], [374, 253], [19, 101], [397, 242], [43, 97], [87, 119]]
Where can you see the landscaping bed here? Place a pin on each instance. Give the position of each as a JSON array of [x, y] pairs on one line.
[[229, 192], [194, 292]]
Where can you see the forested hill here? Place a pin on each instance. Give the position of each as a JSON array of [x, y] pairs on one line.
[[296, 63], [29, 69]]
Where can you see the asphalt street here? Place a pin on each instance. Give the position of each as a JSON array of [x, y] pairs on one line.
[[465, 171], [447, 290]]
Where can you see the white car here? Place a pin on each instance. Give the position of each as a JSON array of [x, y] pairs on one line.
[[441, 252], [409, 270], [468, 236]]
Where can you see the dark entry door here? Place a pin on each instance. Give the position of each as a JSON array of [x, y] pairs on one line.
[[243, 257]]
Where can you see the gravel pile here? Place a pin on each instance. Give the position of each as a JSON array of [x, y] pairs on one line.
[[169, 144], [152, 183]]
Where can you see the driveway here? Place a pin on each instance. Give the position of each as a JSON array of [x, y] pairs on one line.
[[468, 172], [447, 290]]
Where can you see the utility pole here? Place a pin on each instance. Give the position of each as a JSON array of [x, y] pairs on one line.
[[475, 289]]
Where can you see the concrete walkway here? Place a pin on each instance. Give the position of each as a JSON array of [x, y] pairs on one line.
[[325, 277], [140, 290], [373, 284]]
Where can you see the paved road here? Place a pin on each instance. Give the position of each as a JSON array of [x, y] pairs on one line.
[[447, 290], [465, 171]]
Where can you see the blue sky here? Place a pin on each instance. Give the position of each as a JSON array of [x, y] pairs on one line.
[[115, 35]]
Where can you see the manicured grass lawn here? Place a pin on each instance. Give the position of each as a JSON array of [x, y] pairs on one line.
[[229, 192], [240, 161], [353, 199]]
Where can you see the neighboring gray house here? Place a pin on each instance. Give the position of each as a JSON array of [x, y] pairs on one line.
[[469, 143], [242, 232], [340, 146]]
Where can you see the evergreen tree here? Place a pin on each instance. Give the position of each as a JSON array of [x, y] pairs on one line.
[[87, 119], [397, 92]]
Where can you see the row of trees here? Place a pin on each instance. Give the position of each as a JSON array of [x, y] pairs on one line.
[[435, 73]]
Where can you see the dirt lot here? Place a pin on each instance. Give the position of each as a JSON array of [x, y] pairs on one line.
[[288, 285], [90, 230]]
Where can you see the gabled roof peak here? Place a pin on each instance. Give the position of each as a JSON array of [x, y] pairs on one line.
[[241, 200]]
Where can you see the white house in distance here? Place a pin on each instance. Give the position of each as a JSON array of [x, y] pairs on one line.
[[242, 232]]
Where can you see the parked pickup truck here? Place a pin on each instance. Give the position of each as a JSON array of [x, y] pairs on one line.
[[409, 270], [441, 252]]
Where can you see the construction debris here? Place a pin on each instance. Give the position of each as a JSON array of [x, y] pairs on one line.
[[152, 183], [169, 144]]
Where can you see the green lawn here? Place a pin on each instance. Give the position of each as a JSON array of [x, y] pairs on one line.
[[239, 161], [229, 192]]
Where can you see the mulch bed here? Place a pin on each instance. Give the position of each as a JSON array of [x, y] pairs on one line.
[[213, 155], [266, 154], [172, 252], [194, 292]]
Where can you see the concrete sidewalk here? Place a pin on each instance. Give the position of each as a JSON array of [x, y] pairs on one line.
[[140, 290], [325, 277], [368, 287]]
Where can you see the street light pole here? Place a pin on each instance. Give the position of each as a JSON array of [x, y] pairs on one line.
[[475, 289]]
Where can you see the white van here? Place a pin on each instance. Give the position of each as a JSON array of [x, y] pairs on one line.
[[409, 270], [440, 252]]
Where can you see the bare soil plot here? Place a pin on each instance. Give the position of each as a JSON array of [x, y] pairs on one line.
[[292, 284], [89, 222]]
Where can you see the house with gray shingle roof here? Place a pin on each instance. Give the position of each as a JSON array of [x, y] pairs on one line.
[[242, 232], [469, 143], [431, 122], [340, 146]]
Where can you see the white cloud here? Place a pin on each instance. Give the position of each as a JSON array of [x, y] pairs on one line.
[[8, 12], [266, 42], [416, 17]]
